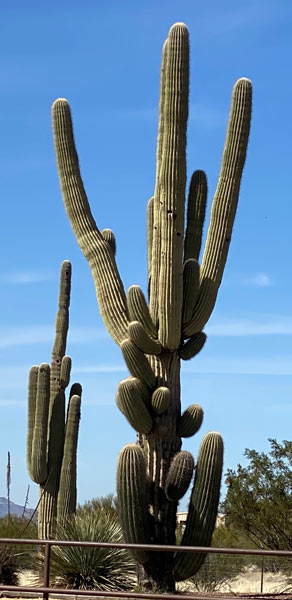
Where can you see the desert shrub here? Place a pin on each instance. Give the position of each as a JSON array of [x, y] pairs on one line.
[[14, 557], [9, 566], [219, 569], [79, 567], [108, 504]]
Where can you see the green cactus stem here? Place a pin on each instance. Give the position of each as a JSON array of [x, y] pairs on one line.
[[109, 237], [155, 336], [130, 401], [142, 339], [191, 285], [67, 489], [132, 498], [137, 363], [160, 400], [193, 345], [139, 311], [179, 475], [190, 421], [51, 438], [197, 199], [203, 506], [38, 422]]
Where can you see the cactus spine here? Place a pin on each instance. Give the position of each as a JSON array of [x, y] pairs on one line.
[[52, 438], [155, 336]]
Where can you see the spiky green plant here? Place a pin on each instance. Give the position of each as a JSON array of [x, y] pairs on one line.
[[152, 475], [77, 567], [52, 436]]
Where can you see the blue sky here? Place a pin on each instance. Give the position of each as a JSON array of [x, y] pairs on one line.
[[104, 57]]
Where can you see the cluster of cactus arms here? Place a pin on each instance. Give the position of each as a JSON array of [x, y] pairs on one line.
[[154, 473], [52, 435]]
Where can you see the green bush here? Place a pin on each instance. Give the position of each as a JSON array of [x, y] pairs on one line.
[[78, 567], [219, 569], [108, 504]]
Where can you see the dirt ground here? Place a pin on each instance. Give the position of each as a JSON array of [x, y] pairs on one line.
[[247, 585]]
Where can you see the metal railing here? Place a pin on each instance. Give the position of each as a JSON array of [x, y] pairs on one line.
[[45, 589]]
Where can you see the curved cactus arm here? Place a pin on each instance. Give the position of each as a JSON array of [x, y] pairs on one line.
[[190, 421], [137, 363], [196, 211], [131, 403], [203, 506], [224, 205], [66, 504], [160, 400], [39, 470], [191, 285], [109, 236], [139, 311], [133, 498], [65, 373], [139, 335], [109, 288], [172, 181], [179, 475], [192, 346], [32, 393]]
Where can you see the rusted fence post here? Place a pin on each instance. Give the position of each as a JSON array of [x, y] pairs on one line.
[[47, 570]]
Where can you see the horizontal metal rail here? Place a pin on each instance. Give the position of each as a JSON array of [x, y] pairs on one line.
[[149, 547], [45, 590]]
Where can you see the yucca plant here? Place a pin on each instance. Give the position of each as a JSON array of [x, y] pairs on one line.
[[89, 568]]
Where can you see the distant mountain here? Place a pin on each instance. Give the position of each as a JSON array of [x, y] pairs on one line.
[[15, 509]]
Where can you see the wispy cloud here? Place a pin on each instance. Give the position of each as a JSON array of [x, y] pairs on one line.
[[22, 336], [100, 369], [262, 325], [23, 277], [259, 280], [275, 365]]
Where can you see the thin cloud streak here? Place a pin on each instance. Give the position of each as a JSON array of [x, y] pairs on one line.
[[22, 336], [268, 325], [26, 277], [259, 280], [276, 365], [100, 369]]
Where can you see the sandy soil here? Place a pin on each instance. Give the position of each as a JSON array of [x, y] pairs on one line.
[[248, 583]]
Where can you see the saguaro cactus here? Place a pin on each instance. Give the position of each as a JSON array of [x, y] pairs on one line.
[[52, 437], [154, 473]]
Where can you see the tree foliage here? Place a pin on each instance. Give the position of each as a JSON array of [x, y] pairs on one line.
[[220, 569], [259, 497]]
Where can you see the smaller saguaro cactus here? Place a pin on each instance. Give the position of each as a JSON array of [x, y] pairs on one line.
[[52, 436]]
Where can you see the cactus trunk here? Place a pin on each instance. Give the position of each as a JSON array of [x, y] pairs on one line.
[[159, 448]]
